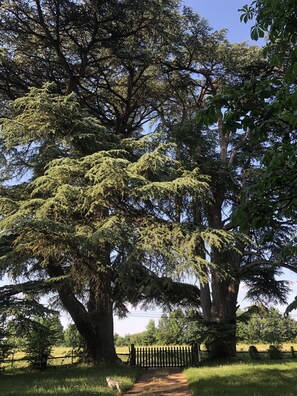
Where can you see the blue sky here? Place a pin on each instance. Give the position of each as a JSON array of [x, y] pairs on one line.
[[224, 14]]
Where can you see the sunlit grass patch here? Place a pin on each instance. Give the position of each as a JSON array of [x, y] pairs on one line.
[[245, 379]]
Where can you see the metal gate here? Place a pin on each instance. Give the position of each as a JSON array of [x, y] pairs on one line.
[[184, 356]]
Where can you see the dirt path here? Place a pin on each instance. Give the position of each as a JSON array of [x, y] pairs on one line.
[[159, 382]]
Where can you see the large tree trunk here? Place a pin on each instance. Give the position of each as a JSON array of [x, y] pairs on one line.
[[95, 324], [219, 299], [223, 317]]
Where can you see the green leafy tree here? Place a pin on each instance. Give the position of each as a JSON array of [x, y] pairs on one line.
[[171, 328], [104, 51], [275, 182], [19, 307], [279, 29], [209, 138], [182, 327], [271, 201], [268, 326], [41, 336], [72, 337], [151, 333]]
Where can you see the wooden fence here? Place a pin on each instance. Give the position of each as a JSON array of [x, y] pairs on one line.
[[184, 356], [69, 359]]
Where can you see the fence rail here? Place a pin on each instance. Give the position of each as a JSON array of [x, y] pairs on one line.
[[68, 359], [64, 360]]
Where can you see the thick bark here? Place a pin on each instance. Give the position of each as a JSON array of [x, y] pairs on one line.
[[95, 324], [223, 317], [223, 344], [221, 293]]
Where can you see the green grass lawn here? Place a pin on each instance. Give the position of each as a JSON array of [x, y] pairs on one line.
[[74, 381], [244, 379]]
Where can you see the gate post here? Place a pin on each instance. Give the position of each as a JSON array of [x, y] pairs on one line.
[[132, 359], [196, 359]]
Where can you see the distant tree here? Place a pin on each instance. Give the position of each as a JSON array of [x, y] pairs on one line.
[[150, 333], [268, 326], [73, 338], [118, 340], [196, 331], [180, 327]]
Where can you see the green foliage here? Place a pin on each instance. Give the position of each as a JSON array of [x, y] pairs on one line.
[[171, 328], [5, 343], [278, 176], [41, 336], [176, 328], [151, 333], [72, 338], [270, 199], [49, 222], [280, 30], [269, 327], [180, 327], [71, 210], [19, 309], [112, 69], [101, 215]]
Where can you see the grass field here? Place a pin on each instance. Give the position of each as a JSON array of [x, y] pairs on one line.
[[244, 379], [240, 379], [73, 381]]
